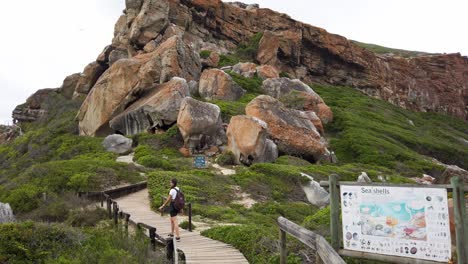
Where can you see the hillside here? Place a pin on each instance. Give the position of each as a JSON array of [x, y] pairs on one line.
[[263, 103]]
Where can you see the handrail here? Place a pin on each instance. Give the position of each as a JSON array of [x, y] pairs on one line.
[[324, 251]]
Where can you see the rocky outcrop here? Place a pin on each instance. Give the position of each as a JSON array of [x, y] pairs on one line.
[[246, 69], [200, 125], [34, 108], [216, 84], [211, 61], [128, 79], [298, 95], [118, 144], [69, 84], [267, 72], [9, 133], [156, 110], [436, 83], [292, 130], [451, 171], [88, 78], [248, 141]]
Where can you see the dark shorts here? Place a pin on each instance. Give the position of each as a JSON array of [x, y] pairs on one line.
[[172, 210]]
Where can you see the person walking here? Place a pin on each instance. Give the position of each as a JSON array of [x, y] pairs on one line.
[[173, 211]]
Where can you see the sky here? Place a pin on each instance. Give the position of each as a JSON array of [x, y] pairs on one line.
[[44, 41]]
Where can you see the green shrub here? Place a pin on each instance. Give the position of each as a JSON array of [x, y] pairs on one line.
[[185, 225], [205, 54], [226, 158], [284, 75], [39, 243]]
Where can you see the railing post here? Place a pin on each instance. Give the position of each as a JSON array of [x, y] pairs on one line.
[[109, 207], [152, 235], [116, 213], [283, 253], [102, 199], [190, 216], [334, 212], [461, 231], [127, 219], [162, 202]]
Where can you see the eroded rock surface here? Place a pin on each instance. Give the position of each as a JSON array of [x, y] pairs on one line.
[[292, 130], [248, 141]]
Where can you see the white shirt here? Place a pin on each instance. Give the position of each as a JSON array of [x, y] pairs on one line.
[[173, 193]]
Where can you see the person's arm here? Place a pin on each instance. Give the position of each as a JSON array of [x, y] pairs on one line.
[[169, 198]]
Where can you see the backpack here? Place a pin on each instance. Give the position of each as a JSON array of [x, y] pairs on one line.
[[179, 201]]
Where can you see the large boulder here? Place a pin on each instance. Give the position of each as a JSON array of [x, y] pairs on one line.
[[216, 84], [297, 95], [128, 79], [158, 109], [89, 77], [451, 171], [246, 69], [267, 72], [212, 60], [69, 84], [151, 20], [118, 144], [248, 141], [292, 130], [201, 125]]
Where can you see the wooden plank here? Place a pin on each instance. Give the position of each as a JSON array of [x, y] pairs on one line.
[[305, 236], [327, 253], [334, 212], [459, 204], [383, 258]]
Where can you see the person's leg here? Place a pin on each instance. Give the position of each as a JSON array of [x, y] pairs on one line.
[[172, 226], [176, 226]]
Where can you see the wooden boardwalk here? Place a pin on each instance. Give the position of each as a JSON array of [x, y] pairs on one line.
[[197, 248]]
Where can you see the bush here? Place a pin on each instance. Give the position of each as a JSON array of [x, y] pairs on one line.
[[226, 158], [205, 54], [185, 225]]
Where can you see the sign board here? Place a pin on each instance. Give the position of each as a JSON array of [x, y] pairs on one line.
[[398, 221], [199, 162]]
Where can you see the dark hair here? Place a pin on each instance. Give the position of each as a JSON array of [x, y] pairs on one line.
[[174, 181]]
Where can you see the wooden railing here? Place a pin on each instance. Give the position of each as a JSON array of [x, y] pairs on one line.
[[114, 213], [324, 251]]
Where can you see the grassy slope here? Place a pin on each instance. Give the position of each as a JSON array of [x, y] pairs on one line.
[[30, 242], [371, 131], [51, 158], [385, 50]]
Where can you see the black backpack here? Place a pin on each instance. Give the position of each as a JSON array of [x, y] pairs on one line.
[[179, 201]]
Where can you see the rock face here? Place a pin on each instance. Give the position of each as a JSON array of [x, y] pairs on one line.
[[451, 171], [200, 125], [248, 141], [436, 83], [212, 60], [292, 130], [298, 95], [118, 144], [267, 72], [69, 84], [8, 133], [158, 109], [34, 107], [216, 84], [127, 79], [89, 77], [246, 69]]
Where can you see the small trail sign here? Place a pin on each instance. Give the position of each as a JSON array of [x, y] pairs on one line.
[[199, 162]]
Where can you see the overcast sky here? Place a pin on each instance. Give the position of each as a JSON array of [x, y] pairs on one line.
[[44, 41]]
